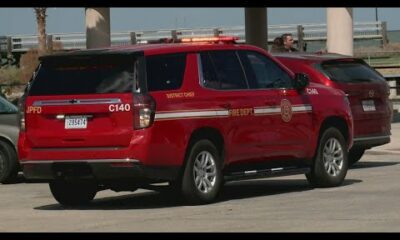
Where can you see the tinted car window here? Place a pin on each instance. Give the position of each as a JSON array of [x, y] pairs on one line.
[[165, 72], [350, 71], [7, 107], [210, 78], [222, 70], [262, 72], [84, 75]]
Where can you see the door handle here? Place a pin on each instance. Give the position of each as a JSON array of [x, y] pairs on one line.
[[226, 105], [270, 102]]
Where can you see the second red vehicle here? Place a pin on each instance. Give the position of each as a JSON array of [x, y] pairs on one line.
[[366, 89]]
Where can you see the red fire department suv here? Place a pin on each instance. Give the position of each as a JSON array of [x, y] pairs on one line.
[[367, 90], [195, 114]]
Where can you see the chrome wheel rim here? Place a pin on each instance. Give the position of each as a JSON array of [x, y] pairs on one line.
[[333, 157], [204, 172]]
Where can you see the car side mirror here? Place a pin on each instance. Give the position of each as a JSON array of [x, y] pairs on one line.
[[301, 81]]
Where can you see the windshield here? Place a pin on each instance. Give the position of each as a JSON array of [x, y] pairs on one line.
[[85, 75], [349, 71]]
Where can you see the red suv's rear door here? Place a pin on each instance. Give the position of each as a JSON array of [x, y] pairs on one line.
[[81, 102], [369, 106], [79, 121]]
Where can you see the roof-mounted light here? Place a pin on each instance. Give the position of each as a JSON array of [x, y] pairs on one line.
[[220, 39]]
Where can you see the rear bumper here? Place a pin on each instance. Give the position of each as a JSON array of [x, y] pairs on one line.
[[99, 169], [371, 141]]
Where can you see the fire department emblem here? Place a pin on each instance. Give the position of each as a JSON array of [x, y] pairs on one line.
[[371, 93], [286, 110]]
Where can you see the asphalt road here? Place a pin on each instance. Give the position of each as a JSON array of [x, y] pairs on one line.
[[368, 201]]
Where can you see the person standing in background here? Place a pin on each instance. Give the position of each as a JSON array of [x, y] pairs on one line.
[[288, 42], [277, 45]]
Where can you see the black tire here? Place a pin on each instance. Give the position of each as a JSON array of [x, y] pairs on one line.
[[355, 155], [9, 165], [73, 193], [208, 190], [326, 171]]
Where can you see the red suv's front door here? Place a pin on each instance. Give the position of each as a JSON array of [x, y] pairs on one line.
[[284, 114]]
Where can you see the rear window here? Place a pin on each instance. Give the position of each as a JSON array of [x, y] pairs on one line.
[[349, 71], [165, 72], [85, 75]]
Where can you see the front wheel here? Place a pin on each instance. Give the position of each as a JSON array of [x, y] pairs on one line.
[[331, 161], [202, 177], [75, 193]]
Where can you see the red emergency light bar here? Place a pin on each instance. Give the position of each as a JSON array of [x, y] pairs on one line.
[[220, 39]]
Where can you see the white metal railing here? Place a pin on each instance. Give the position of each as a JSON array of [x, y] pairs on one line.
[[309, 32]]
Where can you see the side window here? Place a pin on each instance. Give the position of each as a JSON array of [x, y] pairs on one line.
[[165, 72], [210, 79], [262, 72], [222, 70]]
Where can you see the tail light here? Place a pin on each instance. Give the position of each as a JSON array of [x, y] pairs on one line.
[[144, 110], [21, 114]]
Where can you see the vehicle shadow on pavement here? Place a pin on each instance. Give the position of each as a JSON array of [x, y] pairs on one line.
[[231, 191], [248, 189], [143, 200], [371, 164]]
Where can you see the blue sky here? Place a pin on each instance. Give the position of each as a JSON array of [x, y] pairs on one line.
[[66, 20]]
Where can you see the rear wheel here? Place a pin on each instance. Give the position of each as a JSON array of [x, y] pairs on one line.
[[202, 177], [74, 193], [8, 163], [330, 163], [355, 155]]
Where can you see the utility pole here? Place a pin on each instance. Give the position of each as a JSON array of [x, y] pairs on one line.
[[256, 27], [340, 31], [376, 20], [97, 27]]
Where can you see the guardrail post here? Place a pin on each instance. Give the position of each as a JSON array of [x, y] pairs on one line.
[[385, 39], [133, 38], [9, 45], [216, 32], [300, 38], [174, 35], [49, 43], [397, 88], [393, 90]]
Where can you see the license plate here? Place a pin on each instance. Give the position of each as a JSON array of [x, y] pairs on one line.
[[368, 105], [75, 122]]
